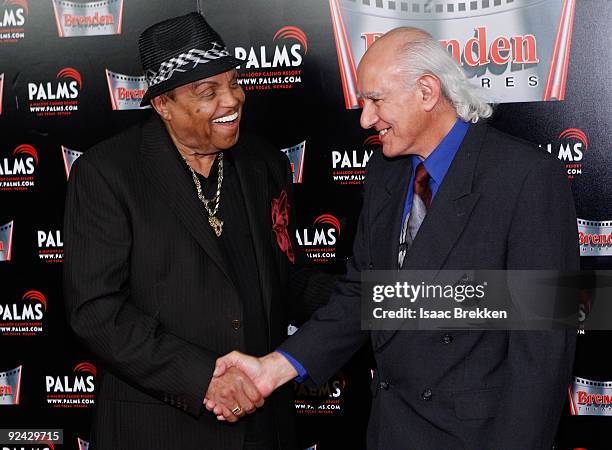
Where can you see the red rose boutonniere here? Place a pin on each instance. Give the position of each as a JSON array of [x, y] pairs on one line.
[[280, 221]]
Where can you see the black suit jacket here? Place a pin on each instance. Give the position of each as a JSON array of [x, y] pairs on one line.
[[148, 290], [502, 205]]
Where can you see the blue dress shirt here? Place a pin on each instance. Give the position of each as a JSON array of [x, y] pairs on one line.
[[438, 162]]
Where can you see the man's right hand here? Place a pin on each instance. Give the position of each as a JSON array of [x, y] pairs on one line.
[[232, 395], [267, 373]]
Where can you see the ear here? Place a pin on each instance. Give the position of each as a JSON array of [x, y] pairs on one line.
[[160, 104], [430, 91]]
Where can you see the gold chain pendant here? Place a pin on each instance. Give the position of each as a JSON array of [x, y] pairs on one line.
[[216, 224]]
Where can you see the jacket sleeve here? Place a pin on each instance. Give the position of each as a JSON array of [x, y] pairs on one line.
[[130, 343], [333, 334], [543, 235]]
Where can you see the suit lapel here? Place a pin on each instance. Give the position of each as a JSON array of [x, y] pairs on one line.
[[255, 186], [447, 216], [385, 200], [450, 210], [169, 178]]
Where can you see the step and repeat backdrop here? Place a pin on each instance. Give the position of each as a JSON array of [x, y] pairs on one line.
[[70, 77]]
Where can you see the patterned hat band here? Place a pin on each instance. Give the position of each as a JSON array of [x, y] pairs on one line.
[[192, 59]]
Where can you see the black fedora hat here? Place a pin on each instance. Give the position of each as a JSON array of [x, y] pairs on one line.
[[180, 50]]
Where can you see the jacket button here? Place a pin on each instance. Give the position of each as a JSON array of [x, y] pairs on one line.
[[447, 339], [236, 324], [383, 385], [426, 395], [370, 266]]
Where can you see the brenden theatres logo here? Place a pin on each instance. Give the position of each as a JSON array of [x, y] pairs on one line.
[[126, 91], [25, 316], [72, 391], [6, 241], [13, 17], [595, 237], [88, 19], [56, 98], [69, 156], [326, 399], [349, 166], [512, 58], [17, 171], [570, 148], [50, 246], [319, 241], [296, 158], [590, 398], [10, 386], [276, 66]]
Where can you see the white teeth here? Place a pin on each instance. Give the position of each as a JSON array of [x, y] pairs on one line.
[[383, 132], [226, 119]]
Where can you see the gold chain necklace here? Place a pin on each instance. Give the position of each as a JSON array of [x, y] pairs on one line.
[[215, 223]]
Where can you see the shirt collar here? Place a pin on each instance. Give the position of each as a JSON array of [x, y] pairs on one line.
[[438, 162]]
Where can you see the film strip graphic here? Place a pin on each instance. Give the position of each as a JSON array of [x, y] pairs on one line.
[[296, 158], [476, 28], [10, 386], [88, 19], [429, 7], [6, 241], [83, 444], [1, 91], [126, 91], [595, 237], [69, 156], [557, 74], [590, 398]]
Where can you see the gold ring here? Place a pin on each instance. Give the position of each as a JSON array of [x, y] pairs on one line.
[[236, 410]]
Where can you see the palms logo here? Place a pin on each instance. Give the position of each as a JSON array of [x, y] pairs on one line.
[[56, 98], [291, 32], [24, 317], [569, 149], [17, 170], [319, 240], [72, 391], [349, 166], [13, 15], [276, 66]]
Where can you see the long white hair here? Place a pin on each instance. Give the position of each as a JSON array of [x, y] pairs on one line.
[[424, 55]]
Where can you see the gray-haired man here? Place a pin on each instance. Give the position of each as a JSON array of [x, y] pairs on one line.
[[479, 199]]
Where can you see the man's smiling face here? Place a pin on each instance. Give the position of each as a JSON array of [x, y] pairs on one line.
[[389, 105], [205, 115]]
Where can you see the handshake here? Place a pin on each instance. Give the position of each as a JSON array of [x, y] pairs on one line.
[[240, 383]]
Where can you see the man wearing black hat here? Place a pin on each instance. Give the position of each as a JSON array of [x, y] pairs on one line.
[[179, 248]]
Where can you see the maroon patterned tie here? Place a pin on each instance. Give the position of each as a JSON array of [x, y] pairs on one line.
[[421, 185], [421, 200]]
